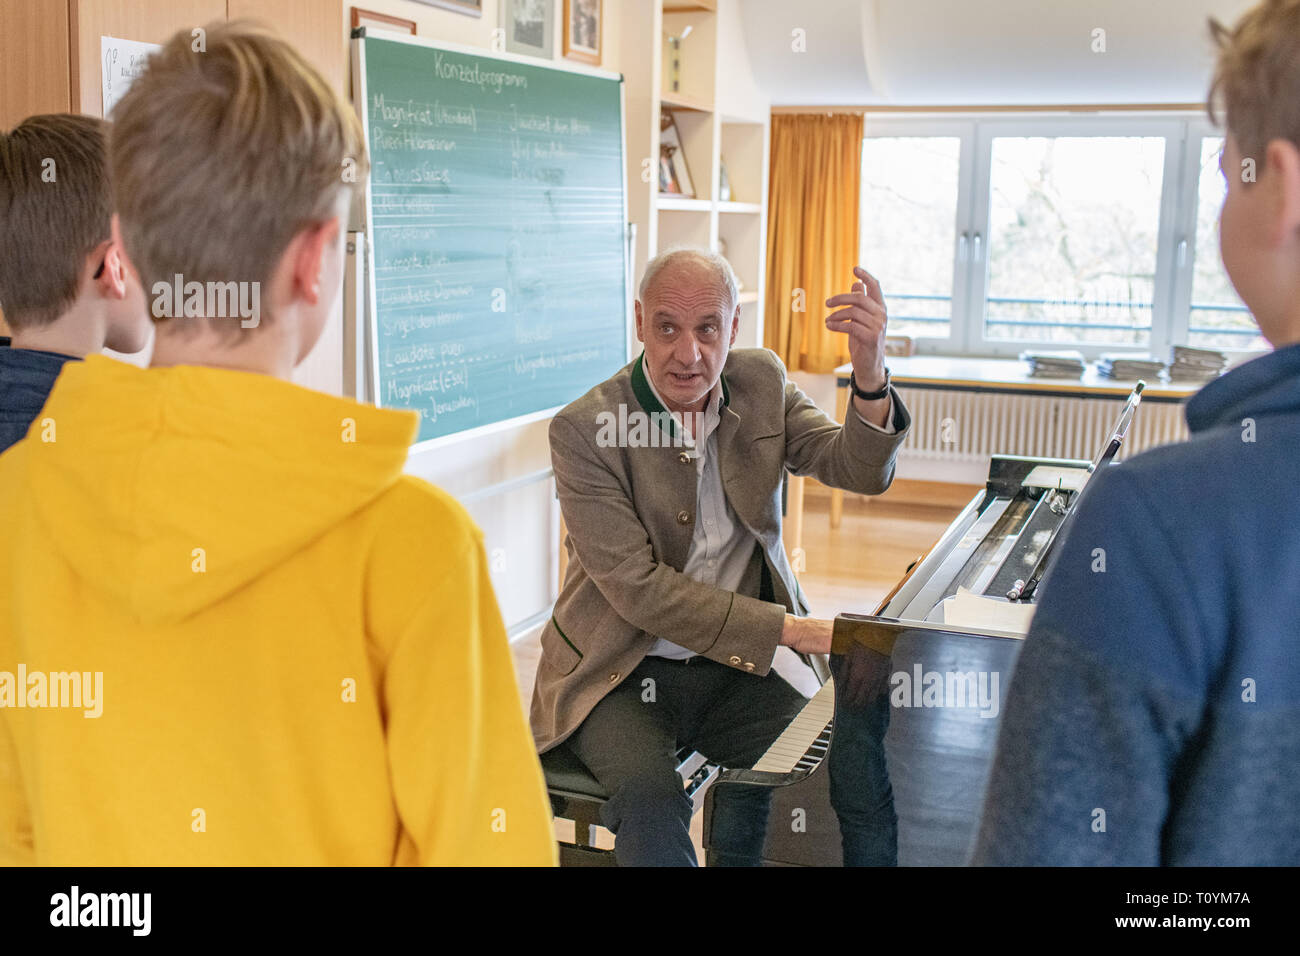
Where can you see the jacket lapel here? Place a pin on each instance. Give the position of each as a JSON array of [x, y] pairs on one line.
[[733, 442], [665, 480]]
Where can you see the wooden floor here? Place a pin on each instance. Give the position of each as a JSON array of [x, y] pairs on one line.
[[849, 569], [852, 568]]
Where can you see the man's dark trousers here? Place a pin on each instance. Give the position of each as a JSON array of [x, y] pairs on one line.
[[630, 740]]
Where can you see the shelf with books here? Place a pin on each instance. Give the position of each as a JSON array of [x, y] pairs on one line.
[[708, 187]]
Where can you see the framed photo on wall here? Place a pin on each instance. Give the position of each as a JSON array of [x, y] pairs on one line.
[[471, 8], [381, 21], [582, 25], [528, 25]]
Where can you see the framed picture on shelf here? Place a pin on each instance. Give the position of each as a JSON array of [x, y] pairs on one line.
[[381, 21], [667, 184], [582, 26], [471, 8], [528, 25], [674, 176], [724, 181]]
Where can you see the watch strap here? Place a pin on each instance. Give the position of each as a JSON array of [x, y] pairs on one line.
[[870, 396]]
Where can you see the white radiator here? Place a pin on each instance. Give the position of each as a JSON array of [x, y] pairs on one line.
[[954, 433]]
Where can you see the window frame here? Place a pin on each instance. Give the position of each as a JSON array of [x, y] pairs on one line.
[[1106, 126], [1184, 276], [963, 130], [1183, 133]]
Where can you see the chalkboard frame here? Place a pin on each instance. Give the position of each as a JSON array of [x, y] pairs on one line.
[[367, 331]]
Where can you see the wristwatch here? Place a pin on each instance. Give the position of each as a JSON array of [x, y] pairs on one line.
[[869, 396]]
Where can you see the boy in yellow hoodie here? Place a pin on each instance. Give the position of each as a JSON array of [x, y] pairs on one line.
[[231, 630]]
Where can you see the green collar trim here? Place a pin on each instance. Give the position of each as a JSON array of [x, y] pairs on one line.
[[644, 395], [641, 386]]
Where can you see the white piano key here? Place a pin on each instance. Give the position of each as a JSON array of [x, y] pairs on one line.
[[801, 734]]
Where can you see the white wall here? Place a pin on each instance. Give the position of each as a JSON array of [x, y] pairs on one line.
[[810, 51], [737, 95], [990, 52]]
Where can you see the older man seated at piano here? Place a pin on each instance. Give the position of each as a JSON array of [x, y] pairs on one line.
[[678, 590]]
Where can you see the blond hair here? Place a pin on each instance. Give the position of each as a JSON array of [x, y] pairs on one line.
[[221, 155], [1257, 78], [55, 207]]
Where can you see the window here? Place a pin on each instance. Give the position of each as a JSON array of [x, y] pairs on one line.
[[991, 235], [909, 204], [1073, 226]]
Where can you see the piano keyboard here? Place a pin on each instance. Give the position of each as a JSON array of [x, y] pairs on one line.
[[804, 743]]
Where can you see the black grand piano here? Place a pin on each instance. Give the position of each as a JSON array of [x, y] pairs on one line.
[[888, 763]]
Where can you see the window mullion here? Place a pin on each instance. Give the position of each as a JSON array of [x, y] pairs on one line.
[[1173, 258], [976, 271]]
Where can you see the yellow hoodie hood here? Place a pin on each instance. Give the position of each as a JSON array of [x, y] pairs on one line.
[[193, 481]]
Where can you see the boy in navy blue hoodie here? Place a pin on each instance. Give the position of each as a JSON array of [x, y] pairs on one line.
[[64, 289], [1154, 715]]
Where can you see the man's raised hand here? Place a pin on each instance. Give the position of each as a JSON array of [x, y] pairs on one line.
[[861, 314]]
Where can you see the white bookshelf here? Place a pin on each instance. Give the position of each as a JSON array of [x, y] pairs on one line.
[[668, 203], [713, 129]]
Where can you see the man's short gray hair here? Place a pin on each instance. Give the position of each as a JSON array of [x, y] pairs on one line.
[[710, 260]]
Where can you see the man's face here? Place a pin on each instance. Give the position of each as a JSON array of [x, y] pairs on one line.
[[687, 323]]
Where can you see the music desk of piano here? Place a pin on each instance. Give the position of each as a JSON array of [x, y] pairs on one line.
[[889, 761]]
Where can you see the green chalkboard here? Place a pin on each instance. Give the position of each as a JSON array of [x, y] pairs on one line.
[[496, 211]]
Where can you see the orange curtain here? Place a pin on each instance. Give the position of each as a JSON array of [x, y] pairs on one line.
[[812, 234]]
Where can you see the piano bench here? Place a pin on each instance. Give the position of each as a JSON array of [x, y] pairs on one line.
[[576, 797]]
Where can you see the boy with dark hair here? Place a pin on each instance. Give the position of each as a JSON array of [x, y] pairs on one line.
[[64, 288]]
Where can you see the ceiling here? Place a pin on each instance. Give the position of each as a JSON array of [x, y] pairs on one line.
[[982, 52]]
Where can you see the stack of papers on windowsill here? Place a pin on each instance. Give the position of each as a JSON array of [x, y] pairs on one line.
[[1127, 367], [1054, 364], [1196, 365]]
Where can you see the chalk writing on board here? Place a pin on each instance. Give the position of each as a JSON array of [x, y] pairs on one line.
[[497, 233]]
